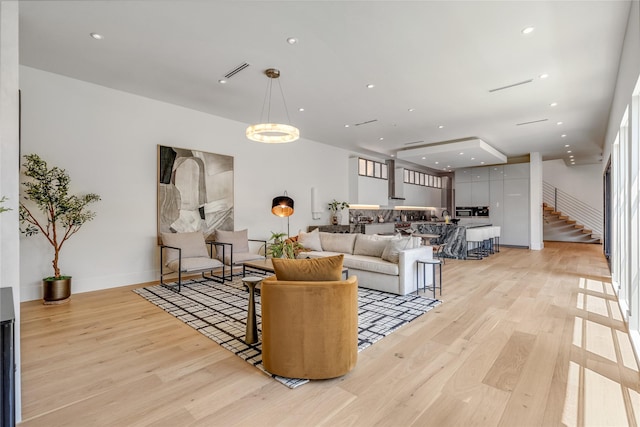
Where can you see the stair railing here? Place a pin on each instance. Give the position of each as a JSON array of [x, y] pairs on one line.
[[573, 207]]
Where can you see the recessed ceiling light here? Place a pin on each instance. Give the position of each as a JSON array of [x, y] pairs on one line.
[[559, 123], [571, 156], [292, 40], [441, 127], [97, 36], [544, 75], [448, 166], [411, 110], [301, 109], [569, 151], [461, 153], [527, 30], [370, 86], [424, 158], [567, 145], [222, 81], [482, 163], [346, 126], [393, 155], [381, 138], [437, 163], [473, 158], [564, 135], [553, 104]]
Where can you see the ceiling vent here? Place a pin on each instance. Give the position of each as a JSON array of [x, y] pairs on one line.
[[366, 123], [236, 70], [531, 122], [511, 85]]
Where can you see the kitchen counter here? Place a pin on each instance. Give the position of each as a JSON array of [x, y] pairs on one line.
[[453, 236]]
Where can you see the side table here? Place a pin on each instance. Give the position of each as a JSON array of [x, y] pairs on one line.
[[251, 335], [433, 263]]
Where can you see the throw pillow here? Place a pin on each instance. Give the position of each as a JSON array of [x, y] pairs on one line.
[[239, 239], [337, 242], [192, 245], [310, 240], [370, 245], [311, 269], [391, 252]]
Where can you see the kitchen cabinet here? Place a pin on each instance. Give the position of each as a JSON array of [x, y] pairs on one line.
[[479, 193], [496, 202], [516, 171], [496, 173], [463, 193], [480, 174], [515, 228], [463, 175], [505, 189]]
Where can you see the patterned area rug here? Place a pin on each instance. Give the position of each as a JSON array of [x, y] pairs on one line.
[[219, 311]]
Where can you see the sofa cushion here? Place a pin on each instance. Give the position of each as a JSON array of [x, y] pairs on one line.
[[195, 263], [372, 264], [370, 245], [313, 269], [392, 250], [192, 245], [337, 242], [310, 240]]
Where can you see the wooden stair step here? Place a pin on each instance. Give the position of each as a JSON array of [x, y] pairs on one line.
[[587, 231], [556, 213], [578, 226], [563, 217], [571, 221], [548, 208]]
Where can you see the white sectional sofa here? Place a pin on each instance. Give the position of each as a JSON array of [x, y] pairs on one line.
[[384, 263]]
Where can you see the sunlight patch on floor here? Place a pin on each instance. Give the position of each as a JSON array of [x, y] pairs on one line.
[[598, 391]]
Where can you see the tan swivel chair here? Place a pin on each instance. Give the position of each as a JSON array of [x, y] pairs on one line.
[[309, 329]]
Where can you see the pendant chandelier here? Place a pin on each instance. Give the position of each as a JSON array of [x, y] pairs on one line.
[[272, 133]]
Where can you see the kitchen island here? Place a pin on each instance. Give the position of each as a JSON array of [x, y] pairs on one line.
[[454, 237]]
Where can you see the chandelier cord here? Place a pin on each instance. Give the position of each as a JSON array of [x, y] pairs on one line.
[[286, 110]]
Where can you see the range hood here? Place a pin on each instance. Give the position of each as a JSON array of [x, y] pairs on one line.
[[394, 181]]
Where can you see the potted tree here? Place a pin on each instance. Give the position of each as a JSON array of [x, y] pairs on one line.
[[336, 211], [61, 216]]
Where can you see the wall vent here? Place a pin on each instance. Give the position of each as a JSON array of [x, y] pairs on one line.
[[236, 70]]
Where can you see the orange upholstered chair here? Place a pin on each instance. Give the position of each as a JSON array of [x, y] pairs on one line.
[[309, 328]]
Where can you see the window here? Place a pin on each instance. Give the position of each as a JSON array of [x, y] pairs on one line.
[[421, 178], [372, 169]]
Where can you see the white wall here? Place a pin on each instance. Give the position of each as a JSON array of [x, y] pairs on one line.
[[107, 141], [9, 125], [628, 72], [581, 181]]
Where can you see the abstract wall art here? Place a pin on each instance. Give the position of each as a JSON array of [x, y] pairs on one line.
[[195, 191]]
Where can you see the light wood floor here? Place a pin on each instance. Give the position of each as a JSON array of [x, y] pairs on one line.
[[524, 338]]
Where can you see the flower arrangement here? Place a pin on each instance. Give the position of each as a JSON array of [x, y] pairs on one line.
[[335, 206]]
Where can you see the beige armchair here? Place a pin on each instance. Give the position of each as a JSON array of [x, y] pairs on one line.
[[186, 253], [309, 328], [234, 247]]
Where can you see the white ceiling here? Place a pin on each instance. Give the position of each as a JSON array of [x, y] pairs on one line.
[[440, 58]]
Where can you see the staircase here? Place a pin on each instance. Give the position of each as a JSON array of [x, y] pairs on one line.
[[577, 222], [559, 227]]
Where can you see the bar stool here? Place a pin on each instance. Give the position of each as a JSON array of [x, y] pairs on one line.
[[433, 263], [475, 236], [496, 237]]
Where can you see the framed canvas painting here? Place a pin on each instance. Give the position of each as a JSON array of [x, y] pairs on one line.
[[195, 191]]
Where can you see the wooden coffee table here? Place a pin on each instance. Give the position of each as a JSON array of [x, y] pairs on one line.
[[266, 266]]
